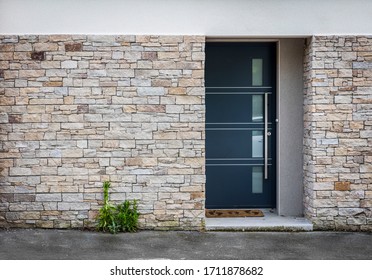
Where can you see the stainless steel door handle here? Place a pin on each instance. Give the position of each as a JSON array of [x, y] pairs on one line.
[[266, 134]]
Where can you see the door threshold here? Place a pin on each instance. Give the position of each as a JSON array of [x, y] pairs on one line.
[[271, 221]]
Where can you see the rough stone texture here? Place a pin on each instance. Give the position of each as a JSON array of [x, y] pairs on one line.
[[338, 138], [129, 109]]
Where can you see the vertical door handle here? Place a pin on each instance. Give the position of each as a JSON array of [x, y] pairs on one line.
[[266, 154]]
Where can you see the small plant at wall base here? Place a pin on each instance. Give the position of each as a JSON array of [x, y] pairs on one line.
[[123, 217]]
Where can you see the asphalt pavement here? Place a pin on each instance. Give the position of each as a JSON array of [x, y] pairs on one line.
[[38, 244]]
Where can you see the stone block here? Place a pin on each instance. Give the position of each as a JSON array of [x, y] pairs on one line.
[[342, 186], [73, 47], [70, 206], [149, 56], [72, 153], [146, 91], [72, 197], [69, 64], [132, 56], [20, 171], [38, 56], [349, 56], [120, 73], [29, 215], [151, 108], [191, 135], [324, 203], [48, 197], [45, 47], [188, 100], [360, 220], [31, 73]]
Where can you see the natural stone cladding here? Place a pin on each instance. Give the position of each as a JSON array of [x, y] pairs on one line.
[[338, 132], [78, 110]]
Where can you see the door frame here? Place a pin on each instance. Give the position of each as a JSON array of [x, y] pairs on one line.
[[277, 67], [290, 196]]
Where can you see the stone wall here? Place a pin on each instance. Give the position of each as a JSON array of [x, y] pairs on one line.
[[78, 110], [338, 132]]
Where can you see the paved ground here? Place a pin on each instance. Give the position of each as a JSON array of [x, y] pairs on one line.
[[70, 244]]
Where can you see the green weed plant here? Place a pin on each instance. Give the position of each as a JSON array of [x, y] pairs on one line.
[[120, 218]]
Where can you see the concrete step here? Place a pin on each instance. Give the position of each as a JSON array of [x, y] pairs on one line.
[[270, 222]]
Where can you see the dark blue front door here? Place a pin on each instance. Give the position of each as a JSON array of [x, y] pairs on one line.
[[240, 125]]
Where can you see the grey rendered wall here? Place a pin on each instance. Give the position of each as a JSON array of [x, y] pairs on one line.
[[290, 127]]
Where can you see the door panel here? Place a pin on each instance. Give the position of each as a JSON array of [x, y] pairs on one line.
[[238, 76]]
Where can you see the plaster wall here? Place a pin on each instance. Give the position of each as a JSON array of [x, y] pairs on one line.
[[255, 18]]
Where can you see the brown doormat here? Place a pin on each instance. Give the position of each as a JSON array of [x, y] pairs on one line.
[[233, 213]]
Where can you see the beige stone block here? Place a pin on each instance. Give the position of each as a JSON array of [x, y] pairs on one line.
[[188, 100], [72, 153], [4, 101], [111, 143], [195, 162], [197, 195], [23, 47], [161, 83], [29, 215], [45, 224], [129, 108], [9, 74], [31, 118], [165, 135], [198, 56], [34, 136], [180, 171], [141, 162], [38, 47], [198, 74], [31, 73], [324, 203], [177, 91], [6, 56], [164, 64], [192, 135], [190, 82], [7, 48], [168, 55], [50, 64], [52, 84], [349, 56], [186, 65], [366, 203], [170, 39], [151, 108]]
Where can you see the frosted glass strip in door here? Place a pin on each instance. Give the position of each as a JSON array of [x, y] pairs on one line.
[[257, 72], [257, 179]]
